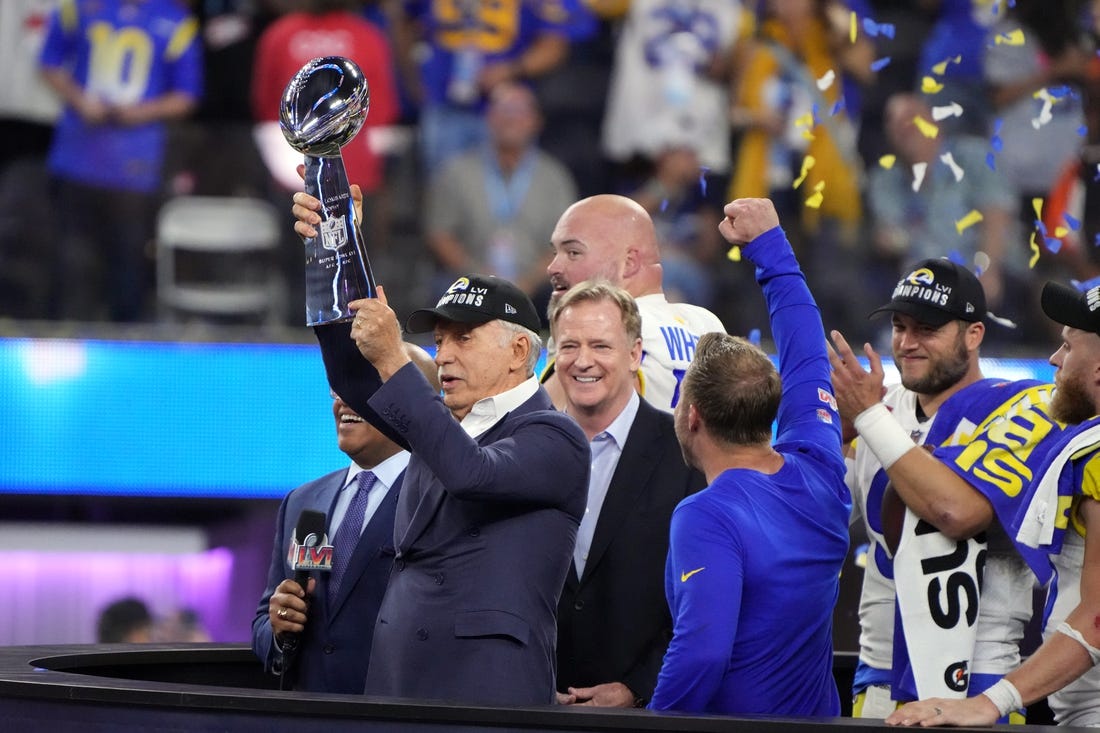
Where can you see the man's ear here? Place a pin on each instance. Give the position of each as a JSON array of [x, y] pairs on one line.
[[694, 419], [975, 333], [521, 347], [632, 264]]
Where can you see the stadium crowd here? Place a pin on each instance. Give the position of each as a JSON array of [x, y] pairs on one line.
[[885, 133]]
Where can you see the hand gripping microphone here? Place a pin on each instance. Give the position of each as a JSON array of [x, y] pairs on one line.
[[309, 550]]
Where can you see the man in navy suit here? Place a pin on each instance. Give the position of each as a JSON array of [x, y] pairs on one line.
[[490, 505], [336, 623], [613, 621]]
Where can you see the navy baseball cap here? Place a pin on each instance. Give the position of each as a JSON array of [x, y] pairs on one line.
[[937, 291], [1072, 307], [478, 299]]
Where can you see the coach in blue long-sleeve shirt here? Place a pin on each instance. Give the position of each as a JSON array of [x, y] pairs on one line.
[[754, 559]]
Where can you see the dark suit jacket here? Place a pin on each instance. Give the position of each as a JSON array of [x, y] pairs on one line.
[[484, 537], [335, 646], [613, 623]]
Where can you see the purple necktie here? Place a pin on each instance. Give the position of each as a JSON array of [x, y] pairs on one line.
[[347, 536]]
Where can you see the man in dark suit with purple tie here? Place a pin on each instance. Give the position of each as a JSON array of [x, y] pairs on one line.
[[335, 615], [490, 505]]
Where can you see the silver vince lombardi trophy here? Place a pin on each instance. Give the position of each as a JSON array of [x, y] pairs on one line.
[[323, 107]]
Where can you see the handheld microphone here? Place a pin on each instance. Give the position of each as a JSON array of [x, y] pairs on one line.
[[309, 550], [309, 547]]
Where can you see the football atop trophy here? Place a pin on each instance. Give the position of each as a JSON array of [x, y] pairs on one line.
[[323, 107]]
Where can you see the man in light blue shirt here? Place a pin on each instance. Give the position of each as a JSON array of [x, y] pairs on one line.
[[613, 622]]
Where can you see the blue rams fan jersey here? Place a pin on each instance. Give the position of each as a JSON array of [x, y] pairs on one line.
[[496, 31], [125, 52]]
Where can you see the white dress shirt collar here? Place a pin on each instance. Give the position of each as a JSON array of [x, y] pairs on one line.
[[387, 471], [488, 411]]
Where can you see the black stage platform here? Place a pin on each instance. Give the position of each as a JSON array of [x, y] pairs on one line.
[[210, 687]]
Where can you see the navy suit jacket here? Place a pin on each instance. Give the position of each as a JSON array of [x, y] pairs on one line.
[[613, 622], [335, 646], [484, 536]]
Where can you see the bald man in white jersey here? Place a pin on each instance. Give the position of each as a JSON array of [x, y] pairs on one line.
[[613, 238]]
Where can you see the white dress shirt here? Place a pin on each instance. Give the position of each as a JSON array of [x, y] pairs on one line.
[[488, 411]]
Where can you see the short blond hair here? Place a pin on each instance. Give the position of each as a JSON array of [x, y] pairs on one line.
[[735, 389]]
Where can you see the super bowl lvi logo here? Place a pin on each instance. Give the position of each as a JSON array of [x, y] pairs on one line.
[[334, 233]]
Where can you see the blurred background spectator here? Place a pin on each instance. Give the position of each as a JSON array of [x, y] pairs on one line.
[[122, 69], [673, 68], [182, 625], [492, 210], [28, 112], [453, 52], [797, 107], [126, 620], [920, 205]]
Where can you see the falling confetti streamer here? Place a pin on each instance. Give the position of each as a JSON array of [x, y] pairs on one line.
[[949, 160], [1072, 222], [734, 254], [918, 175], [826, 80], [968, 221], [887, 161], [941, 68], [873, 29], [1034, 250], [807, 164], [815, 198], [926, 128], [837, 107], [1037, 207], [989, 161], [880, 64], [951, 110], [754, 336], [929, 85], [853, 27], [1045, 114], [1010, 38], [703, 171]]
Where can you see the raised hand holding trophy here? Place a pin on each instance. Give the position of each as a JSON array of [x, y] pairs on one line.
[[324, 106]]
